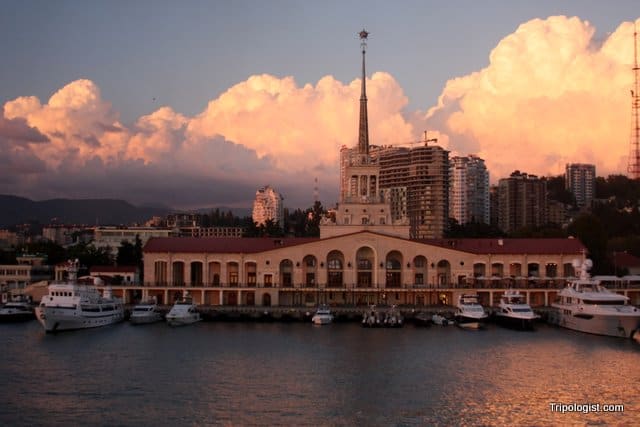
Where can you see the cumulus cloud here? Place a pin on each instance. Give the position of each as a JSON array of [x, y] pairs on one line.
[[550, 95], [265, 130]]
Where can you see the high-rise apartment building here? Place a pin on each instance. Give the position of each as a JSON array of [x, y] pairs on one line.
[[415, 181], [268, 206], [580, 180], [469, 190], [522, 202]]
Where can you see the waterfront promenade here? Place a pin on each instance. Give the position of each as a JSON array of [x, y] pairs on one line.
[[537, 295]]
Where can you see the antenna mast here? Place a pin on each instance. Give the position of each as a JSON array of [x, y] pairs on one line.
[[634, 147]]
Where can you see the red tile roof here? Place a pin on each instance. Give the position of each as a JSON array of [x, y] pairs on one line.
[[222, 244], [113, 269], [262, 244], [511, 246]]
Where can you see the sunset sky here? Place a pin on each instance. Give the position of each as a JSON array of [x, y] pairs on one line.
[[198, 103]]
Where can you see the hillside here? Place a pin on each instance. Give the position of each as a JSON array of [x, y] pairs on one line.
[[18, 210]]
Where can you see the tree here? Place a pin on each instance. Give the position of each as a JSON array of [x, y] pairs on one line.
[[589, 230]]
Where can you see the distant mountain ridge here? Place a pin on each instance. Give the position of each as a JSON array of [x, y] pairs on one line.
[[18, 210]]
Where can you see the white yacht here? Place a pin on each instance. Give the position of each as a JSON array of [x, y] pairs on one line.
[[514, 312], [587, 306], [322, 316], [469, 314], [71, 305], [16, 310], [183, 312], [144, 313]]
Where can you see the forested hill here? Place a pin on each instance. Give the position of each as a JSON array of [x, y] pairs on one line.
[[18, 210]]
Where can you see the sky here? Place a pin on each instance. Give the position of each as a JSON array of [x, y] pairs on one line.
[[199, 103]]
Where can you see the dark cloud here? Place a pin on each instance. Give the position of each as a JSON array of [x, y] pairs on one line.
[[18, 130]]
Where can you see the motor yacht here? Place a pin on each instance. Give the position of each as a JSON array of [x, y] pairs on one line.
[[469, 313], [144, 313], [183, 312], [322, 316], [514, 312], [585, 305], [16, 310], [73, 305]]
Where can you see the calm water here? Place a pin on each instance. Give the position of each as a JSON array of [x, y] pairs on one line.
[[298, 374]]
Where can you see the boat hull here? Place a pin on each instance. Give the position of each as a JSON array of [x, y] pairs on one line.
[[16, 317], [182, 320], [321, 320], [598, 324], [55, 319], [512, 322], [144, 320], [464, 320]]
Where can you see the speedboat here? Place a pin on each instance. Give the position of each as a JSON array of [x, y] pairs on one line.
[[440, 320], [183, 312], [17, 310], [73, 305], [422, 318], [144, 313], [393, 318], [514, 312], [585, 305], [322, 316], [469, 314], [371, 318]]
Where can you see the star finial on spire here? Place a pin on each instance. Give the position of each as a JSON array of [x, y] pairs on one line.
[[363, 34]]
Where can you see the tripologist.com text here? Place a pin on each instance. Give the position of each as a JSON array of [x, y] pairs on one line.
[[586, 408]]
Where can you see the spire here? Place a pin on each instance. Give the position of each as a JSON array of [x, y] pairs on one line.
[[363, 135], [633, 167]]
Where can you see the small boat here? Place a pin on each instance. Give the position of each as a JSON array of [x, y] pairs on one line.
[[422, 319], [17, 310], [322, 316], [183, 312], [469, 314], [144, 313], [514, 312], [73, 305], [393, 318], [585, 305], [440, 320], [371, 318]]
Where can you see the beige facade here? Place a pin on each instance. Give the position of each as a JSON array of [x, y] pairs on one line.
[[359, 268]]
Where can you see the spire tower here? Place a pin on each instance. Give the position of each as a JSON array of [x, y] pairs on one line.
[[634, 147], [363, 134]]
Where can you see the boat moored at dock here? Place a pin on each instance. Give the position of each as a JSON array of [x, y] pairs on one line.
[[585, 305], [183, 312], [17, 310], [322, 316], [514, 312], [144, 313], [73, 305], [469, 313]]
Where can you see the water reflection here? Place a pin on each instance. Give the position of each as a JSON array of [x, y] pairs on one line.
[[247, 374]]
